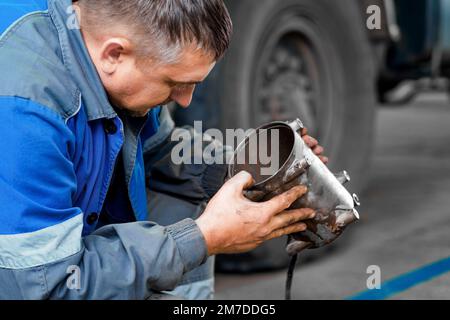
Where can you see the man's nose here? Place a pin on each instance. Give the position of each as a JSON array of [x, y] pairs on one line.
[[183, 98]]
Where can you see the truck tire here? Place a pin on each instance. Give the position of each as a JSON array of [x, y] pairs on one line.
[[303, 58]]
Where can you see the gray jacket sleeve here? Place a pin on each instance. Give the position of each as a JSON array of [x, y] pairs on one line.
[[127, 261]]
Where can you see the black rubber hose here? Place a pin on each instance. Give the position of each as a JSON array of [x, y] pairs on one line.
[[290, 275]]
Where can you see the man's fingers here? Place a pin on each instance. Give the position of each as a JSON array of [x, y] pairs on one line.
[[298, 227], [304, 132], [310, 141], [243, 180], [324, 159], [318, 150], [290, 217], [284, 200]]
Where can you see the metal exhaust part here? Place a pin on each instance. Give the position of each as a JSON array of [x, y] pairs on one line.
[[296, 165]]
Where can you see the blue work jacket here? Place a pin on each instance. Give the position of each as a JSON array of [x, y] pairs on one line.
[[62, 147]]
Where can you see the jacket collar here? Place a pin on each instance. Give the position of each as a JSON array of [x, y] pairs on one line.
[[78, 61]]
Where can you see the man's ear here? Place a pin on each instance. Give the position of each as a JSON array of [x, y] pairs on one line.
[[112, 54]]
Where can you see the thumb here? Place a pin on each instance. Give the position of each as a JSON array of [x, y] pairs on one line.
[[242, 181]]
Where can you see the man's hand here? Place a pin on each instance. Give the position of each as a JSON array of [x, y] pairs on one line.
[[314, 145], [233, 224]]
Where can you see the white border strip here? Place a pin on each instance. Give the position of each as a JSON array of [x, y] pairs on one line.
[[45, 246]]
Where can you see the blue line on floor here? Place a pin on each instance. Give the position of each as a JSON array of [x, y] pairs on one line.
[[405, 281]]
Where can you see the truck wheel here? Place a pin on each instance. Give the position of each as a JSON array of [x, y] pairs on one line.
[[306, 59]]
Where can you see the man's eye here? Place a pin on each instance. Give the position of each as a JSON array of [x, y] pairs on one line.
[[182, 87]]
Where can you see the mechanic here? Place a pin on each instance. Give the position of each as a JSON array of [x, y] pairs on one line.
[[85, 138]]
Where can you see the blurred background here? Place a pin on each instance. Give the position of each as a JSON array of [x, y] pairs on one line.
[[370, 80]]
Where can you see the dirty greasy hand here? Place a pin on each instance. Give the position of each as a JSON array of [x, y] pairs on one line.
[[233, 224], [314, 145]]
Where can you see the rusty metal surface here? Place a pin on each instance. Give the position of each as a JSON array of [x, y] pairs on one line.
[[298, 165]]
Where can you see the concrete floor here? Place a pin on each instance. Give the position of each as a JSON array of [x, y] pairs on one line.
[[405, 217]]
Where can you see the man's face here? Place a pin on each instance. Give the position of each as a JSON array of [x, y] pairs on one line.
[[137, 87]]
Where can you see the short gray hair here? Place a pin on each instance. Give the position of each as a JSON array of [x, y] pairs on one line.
[[165, 26]]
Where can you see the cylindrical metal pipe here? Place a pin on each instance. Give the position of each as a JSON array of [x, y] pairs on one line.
[[293, 163]]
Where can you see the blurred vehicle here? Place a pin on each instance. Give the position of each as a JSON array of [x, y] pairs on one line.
[[321, 61]]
